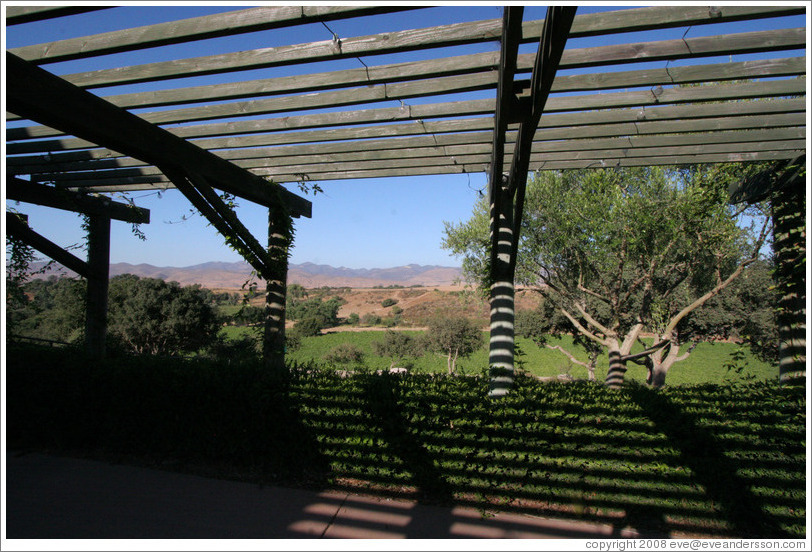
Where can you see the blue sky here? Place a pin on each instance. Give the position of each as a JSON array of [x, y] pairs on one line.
[[358, 224]]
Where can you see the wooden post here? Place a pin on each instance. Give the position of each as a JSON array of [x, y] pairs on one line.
[[789, 228], [502, 299], [279, 240], [98, 260]]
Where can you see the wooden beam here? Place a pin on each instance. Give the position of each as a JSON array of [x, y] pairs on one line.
[[15, 227], [569, 83], [15, 15], [160, 183], [314, 163], [279, 242], [29, 192], [585, 57], [186, 30], [615, 122], [581, 103], [399, 41], [38, 95], [190, 189]]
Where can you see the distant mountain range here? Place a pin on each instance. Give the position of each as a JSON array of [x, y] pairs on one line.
[[220, 275]]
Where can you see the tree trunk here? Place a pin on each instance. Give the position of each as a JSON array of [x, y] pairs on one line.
[[590, 369], [617, 368], [617, 357], [657, 374], [663, 359]]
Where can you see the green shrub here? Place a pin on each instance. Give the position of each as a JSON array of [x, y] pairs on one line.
[[344, 354], [308, 327], [389, 302], [371, 319], [718, 460]]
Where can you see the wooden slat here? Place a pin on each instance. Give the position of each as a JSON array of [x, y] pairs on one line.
[[673, 160], [758, 41], [432, 37], [673, 95], [732, 116], [153, 183], [687, 48], [596, 81], [340, 98], [666, 17], [631, 146], [451, 66], [187, 30], [256, 19], [15, 15], [355, 152]]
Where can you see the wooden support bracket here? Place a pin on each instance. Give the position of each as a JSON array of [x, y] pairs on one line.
[[17, 228], [47, 196]]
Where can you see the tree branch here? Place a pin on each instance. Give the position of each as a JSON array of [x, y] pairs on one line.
[[583, 330], [652, 349], [721, 285], [568, 355], [688, 352], [592, 322]]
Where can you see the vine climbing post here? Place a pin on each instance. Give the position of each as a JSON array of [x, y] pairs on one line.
[[280, 237], [789, 229], [98, 260]]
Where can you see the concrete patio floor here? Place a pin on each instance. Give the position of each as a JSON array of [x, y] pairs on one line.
[[51, 497]]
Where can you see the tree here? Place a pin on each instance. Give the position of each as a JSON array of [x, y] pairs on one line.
[[398, 346], [308, 327], [537, 325], [345, 354], [454, 337], [746, 312], [298, 309], [620, 251], [162, 318]]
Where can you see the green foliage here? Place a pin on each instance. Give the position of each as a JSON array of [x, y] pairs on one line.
[[745, 312], [296, 291], [308, 326], [399, 346], [455, 337], [247, 315], [616, 248], [706, 460], [389, 302], [704, 366], [345, 354], [151, 316], [55, 310], [315, 307], [353, 319], [371, 319]]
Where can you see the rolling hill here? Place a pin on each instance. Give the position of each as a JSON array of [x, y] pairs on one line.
[[223, 275]]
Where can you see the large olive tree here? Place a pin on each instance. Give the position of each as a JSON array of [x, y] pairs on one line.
[[620, 252]]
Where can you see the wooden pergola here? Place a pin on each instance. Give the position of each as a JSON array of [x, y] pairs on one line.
[[735, 93]]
